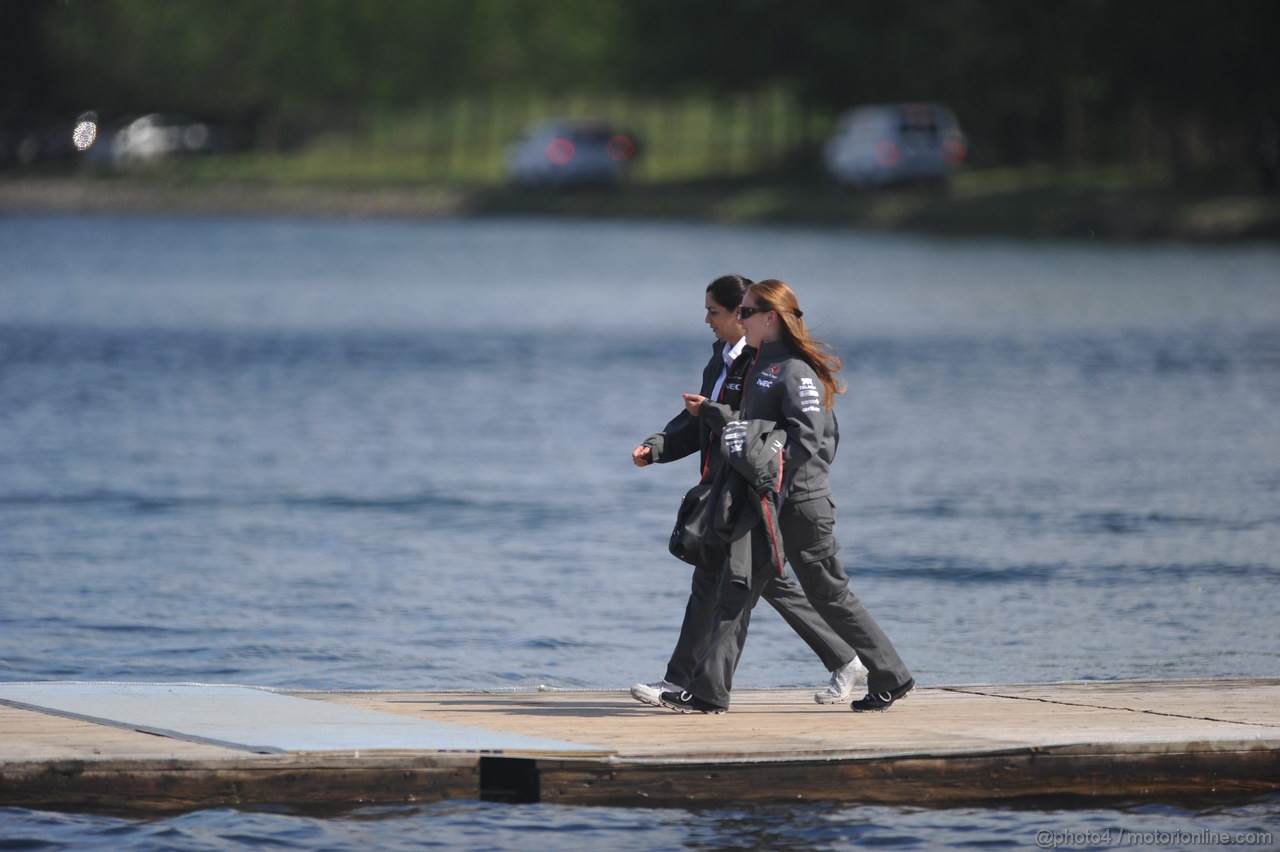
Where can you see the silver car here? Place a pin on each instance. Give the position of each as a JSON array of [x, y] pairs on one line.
[[875, 146], [568, 152]]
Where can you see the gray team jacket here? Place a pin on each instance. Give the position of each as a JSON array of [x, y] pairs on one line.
[[731, 521], [784, 391], [749, 498]]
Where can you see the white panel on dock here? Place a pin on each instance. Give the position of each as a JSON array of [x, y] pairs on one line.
[[258, 720]]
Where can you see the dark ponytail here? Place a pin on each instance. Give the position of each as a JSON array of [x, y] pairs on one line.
[[728, 290]]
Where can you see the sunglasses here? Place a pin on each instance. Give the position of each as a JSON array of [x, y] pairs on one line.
[[744, 312]]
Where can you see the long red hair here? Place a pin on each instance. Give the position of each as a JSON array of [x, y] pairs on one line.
[[774, 295]]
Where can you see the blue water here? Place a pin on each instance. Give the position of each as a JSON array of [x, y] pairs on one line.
[[381, 454], [481, 826]]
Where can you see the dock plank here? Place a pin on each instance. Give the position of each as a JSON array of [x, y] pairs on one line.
[[787, 723], [1203, 699], [264, 721], [942, 744], [28, 736]]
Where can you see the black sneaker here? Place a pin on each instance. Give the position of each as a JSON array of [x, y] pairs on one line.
[[687, 702], [880, 700]]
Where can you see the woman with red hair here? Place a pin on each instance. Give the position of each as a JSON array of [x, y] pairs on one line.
[[793, 383]]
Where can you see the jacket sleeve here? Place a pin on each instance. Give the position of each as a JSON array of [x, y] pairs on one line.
[[716, 415], [754, 450], [678, 439], [803, 416], [683, 435]]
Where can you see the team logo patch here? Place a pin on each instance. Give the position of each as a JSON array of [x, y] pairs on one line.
[[809, 396]]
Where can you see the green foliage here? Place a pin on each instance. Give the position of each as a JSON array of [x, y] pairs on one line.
[[1075, 80]]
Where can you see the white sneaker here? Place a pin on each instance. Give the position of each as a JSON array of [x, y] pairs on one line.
[[651, 693], [843, 681]]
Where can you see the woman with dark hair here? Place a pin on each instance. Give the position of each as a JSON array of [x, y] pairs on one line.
[[792, 383], [685, 435]]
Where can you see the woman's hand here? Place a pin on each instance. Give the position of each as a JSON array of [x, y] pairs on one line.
[[693, 402], [642, 456]]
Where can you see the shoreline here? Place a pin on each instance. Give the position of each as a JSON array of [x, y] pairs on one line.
[[1018, 212]]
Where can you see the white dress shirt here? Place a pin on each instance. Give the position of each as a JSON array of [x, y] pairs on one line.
[[730, 354]]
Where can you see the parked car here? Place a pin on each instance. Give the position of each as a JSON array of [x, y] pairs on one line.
[[148, 138], [569, 152], [875, 146]]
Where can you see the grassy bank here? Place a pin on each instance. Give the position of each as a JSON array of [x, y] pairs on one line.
[[1014, 204], [1006, 202]]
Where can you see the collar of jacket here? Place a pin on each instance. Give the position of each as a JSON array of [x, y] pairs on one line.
[[775, 348]]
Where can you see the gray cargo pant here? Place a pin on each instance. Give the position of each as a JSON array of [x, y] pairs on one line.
[[781, 591], [808, 538]]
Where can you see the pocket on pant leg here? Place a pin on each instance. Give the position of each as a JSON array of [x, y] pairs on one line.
[[815, 526], [823, 580], [820, 513], [809, 536], [820, 550]]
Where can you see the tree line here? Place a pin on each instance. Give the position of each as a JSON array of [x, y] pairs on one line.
[[1186, 83]]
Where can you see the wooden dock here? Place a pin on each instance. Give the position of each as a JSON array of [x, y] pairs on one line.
[[941, 745]]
